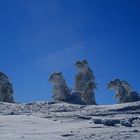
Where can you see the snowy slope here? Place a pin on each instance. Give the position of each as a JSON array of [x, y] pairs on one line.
[[62, 121]]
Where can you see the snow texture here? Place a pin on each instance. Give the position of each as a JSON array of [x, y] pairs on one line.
[[62, 121]]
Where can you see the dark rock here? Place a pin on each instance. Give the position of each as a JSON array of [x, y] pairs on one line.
[[54, 119], [50, 102], [71, 131], [84, 117], [135, 131], [132, 119], [126, 123], [67, 135], [106, 122], [110, 122], [97, 121], [11, 113]]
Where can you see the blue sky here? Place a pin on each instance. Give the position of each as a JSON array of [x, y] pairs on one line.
[[38, 37]]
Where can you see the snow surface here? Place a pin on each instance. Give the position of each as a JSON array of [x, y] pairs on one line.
[[63, 121]]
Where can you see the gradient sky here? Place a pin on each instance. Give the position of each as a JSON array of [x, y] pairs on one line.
[[38, 37]]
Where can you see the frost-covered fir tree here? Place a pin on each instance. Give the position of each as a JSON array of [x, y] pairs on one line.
[[60, 90], [85, 82], [124, 92], [6, 89]]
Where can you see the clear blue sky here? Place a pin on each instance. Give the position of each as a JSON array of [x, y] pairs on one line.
[[38, 37]]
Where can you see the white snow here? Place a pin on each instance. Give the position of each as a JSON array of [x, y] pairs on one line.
[[62, 121]]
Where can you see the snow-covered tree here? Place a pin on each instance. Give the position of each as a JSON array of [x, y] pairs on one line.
[[6, 89], [60, 89], [124, 92], [85, 82]]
